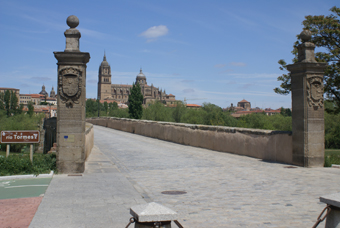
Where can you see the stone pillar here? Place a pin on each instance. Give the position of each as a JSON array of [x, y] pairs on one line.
[[71, 102], [307, 106]]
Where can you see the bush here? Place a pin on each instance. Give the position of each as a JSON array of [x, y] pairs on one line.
[[332, 157], [332, 131], [21, 164], [158, 112]]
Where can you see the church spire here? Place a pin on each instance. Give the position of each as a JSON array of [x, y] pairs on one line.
[[104, 59]]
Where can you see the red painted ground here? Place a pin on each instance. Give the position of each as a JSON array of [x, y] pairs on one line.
[[18, 213]]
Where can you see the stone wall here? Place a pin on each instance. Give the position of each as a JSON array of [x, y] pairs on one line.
[[89, 139], [263, 144]]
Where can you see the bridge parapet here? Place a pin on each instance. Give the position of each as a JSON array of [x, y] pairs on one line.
[[89, 139], [263, 144]]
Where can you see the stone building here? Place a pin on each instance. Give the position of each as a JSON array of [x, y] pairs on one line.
[[36, 99], [244, 104], [16, 91], [120, 92]]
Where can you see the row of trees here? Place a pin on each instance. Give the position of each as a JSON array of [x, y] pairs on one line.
[[94, 108], [10, 104], [211, 114]]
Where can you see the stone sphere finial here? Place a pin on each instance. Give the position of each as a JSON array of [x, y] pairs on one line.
[[306, 35], [72, 21]]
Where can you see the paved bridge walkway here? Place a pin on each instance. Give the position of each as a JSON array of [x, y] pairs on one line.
[[223, 190]]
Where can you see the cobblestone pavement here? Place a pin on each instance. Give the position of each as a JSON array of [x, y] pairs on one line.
[[18, 212], [223, 190]]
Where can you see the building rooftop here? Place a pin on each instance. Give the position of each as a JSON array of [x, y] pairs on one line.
[[194, 105], [4, 88]]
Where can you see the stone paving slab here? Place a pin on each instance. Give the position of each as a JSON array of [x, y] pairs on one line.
[[18, 212], [223, 190], [101, 197]]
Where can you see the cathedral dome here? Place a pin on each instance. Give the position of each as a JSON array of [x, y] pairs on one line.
[[141, 79], [141, 75], [43, 91]]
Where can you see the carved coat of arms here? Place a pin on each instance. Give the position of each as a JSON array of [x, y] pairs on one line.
[[315, 92], [70, 82]]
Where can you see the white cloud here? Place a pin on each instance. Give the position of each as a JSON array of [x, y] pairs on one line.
[[240, 64], [220, 65], [255, 75], [188, 91], [226, 71], [154, 32]]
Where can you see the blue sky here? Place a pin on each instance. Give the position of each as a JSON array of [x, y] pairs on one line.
[[216, 51]]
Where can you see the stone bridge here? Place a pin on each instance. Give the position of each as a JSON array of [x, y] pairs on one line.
[[222, 189]]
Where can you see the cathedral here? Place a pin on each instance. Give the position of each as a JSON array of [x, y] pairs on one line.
[[120, 92]]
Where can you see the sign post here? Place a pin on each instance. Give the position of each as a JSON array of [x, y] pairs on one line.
[[31, 153], [7, 150], [20, 137]]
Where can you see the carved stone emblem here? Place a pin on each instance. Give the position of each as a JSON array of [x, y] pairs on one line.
[[70, 82], [70, 85], [315, 92]]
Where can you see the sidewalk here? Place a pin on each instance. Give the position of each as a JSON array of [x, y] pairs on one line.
[[101, 197]]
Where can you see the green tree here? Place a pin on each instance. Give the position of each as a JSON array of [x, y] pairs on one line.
[[7, 100], [178, 111], [213, 114], [21, 107], [106, 107], [135, 102], [2, 101], [30, 108], [285, 111], [14, 103], [113, 106], [325, 34], [158, 112], [92, 107], [332, 130], [193, 116]]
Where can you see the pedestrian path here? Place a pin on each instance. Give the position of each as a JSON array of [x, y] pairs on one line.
[[222, 190], [18, 212]]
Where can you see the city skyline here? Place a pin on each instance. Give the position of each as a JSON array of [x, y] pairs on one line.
[[218, 51]]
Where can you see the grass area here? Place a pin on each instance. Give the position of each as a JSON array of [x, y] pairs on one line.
[[332, 156], [20, 164]]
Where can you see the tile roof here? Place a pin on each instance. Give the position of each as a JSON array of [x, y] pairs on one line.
[[193, 105], [4, 88]]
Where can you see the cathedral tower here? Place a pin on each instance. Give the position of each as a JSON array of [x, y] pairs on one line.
[[52, 93], [104, 80]]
